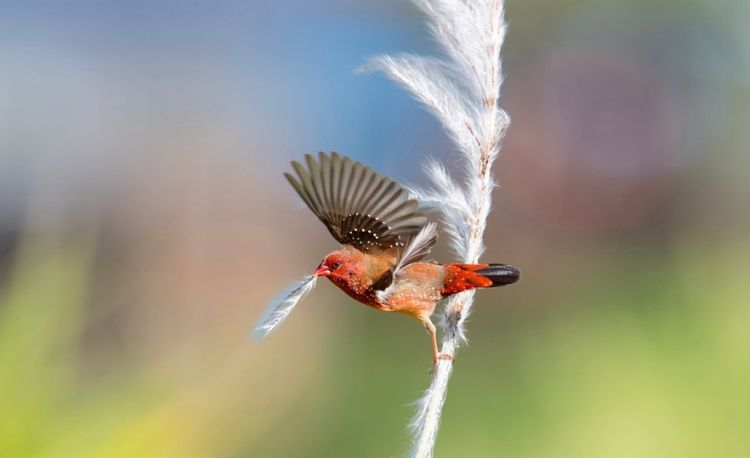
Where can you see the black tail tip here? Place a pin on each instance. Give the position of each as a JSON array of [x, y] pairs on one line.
[[500, 274]]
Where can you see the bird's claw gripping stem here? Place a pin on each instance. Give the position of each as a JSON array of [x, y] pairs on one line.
[[438, 357]]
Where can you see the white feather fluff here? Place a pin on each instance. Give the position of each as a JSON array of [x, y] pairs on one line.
[[429, 81], [418, 247], [462, 90], [280, 308]]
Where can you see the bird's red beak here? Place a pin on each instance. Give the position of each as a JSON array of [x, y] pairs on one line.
[[322, 271]]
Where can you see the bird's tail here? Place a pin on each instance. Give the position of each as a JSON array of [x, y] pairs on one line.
[[462, 277]]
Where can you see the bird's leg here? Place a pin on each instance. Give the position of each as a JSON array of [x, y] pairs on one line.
[[436, 355]]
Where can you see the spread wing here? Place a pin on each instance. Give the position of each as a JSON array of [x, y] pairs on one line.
[[358, 206]]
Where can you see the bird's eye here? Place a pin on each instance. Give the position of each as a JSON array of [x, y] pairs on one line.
[[336, 265]]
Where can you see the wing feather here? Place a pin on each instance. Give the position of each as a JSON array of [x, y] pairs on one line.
[[358, 206], [419, 246]]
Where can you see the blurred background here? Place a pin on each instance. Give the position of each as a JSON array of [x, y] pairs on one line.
[[145, 225]]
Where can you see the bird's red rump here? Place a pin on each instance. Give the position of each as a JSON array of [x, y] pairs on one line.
[[462, 277]]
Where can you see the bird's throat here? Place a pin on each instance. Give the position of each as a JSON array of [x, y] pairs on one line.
[[359, 292]]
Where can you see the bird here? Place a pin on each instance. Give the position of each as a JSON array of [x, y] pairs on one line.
[[385, 237]]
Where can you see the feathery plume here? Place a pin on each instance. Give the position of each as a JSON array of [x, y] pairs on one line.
[[461, 89], [280, 308]]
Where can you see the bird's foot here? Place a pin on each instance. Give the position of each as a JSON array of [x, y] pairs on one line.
[[438, 357]]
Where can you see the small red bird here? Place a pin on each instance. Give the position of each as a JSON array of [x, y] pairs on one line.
[[384, 237]]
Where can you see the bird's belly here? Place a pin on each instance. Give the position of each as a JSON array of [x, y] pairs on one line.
[[417, 300], [412, 301]]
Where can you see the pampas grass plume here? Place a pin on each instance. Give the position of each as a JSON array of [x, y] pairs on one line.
[[461, 89]]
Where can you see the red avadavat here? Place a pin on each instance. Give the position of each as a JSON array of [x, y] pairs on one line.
[[385, 236]]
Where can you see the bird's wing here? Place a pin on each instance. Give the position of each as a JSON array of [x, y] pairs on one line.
[[358, 206], [417, 248]]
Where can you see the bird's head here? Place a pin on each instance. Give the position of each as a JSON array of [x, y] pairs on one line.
[[342, 267], [334, 265]]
